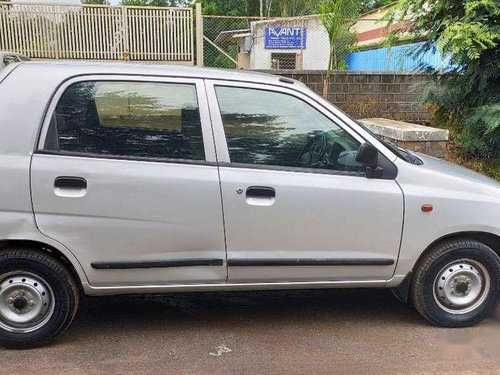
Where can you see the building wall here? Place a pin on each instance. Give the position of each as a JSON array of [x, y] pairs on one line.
[[372, 27], [369, 28], [371, 94], [314, 56]]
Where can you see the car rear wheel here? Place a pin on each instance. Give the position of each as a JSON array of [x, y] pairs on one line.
[[457, 283], [38, 298]]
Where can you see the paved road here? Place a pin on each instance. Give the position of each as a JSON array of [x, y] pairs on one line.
[[299, 332]]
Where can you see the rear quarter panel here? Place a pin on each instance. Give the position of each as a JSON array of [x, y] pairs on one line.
[[24, 95]]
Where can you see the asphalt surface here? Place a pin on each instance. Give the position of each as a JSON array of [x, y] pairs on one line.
[[285, 332]]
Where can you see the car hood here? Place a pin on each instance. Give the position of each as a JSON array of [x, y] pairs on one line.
[[460, 175]]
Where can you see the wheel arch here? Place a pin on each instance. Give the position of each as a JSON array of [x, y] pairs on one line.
[[489, 239], [76, 270]]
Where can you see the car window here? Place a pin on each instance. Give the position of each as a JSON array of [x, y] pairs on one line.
[[277, 129], [9, 59], [133, 119], [23, 58]]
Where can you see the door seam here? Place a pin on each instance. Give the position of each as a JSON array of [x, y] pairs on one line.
[[210, 112]]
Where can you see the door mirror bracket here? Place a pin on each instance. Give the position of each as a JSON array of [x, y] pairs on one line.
[[368, 156], [377, 172]]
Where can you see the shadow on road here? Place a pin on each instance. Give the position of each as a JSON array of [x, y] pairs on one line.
[[360, 305]]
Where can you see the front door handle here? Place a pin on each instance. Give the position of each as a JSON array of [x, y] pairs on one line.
[[69, 182], [260, 196], [261, 192]]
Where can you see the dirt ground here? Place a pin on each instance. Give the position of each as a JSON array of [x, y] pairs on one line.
[[284, 332]]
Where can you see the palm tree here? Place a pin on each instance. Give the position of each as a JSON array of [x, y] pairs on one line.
[[337, 16]]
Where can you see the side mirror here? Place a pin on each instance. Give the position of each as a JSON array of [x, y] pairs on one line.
[[368, 156]]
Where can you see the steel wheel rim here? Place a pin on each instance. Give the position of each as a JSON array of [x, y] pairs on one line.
[[26, 302], [461, 286]]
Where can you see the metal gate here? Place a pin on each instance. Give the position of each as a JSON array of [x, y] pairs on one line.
[[98, 32]]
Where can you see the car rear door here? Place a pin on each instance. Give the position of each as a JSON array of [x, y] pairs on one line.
[[125, 177], [297, 207]]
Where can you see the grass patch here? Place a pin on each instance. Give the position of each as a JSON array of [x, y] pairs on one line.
[[455, 154], [488, 167]]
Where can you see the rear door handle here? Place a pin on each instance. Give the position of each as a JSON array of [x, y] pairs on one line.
[[70, 187], [69, 182], [260, 192]]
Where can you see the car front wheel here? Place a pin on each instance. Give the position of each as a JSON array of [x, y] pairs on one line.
[[457, 283]]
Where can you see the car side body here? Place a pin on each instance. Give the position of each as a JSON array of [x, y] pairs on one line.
[[464, 201], [150, 225]]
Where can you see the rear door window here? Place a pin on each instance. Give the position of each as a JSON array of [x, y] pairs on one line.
[[131, 119]]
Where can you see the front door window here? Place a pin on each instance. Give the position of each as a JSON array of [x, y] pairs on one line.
[[276, 129]]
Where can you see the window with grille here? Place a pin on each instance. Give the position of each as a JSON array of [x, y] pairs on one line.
[[283, 60]]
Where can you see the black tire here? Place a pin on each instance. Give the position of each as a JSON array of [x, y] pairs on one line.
[[65, 292], [423, 286]]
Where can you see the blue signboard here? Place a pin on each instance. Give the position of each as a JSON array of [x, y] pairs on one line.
[[285, 37]]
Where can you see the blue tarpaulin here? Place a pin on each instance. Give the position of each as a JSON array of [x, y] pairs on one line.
[[406, 57]]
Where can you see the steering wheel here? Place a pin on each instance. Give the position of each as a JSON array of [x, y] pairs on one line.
[[323, 151], [314, 152]]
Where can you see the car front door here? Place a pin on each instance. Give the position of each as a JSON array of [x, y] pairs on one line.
[[125, 177], [297, 206]]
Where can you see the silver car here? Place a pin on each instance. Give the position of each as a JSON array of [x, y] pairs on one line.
[[121, 179]]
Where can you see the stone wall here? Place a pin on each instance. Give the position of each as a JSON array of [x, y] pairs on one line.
[[425, 139], [370, 94]]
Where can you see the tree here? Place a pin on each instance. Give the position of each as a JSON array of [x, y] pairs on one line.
[[292, 8], [369, 5], [95, 2], [337, 16], [468, 96], [270, 8], [155, 3], [277, 8]]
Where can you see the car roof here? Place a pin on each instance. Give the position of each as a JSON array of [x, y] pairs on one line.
[[74, 68]]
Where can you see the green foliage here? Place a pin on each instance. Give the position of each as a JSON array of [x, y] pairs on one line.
[[466, 41], [369, 5], [270, 8], [212, 27], [95, 2], [337, 17], [291, 8], [155, 3], [278, 8], [469, 30], [221, 61], [481, 132], [230, 7]]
